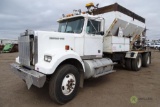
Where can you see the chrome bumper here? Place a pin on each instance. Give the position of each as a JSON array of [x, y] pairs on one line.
[[31, 77]]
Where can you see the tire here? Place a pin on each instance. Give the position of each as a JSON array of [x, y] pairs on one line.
[[137, 63], [146, 59], [128, 64], [64, 85]]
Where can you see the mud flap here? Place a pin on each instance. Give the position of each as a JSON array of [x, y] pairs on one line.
[[29, 81]]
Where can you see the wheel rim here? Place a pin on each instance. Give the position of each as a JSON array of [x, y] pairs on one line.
[[139, 62], [68, 84]]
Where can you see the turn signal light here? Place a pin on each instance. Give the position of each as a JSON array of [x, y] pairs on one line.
[[67, 47]]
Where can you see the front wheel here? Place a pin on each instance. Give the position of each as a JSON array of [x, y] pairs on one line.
[[64, 84]]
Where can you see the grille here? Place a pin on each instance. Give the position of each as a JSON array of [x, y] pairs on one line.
[[24, 50]]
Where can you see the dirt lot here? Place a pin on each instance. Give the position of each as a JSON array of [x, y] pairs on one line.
[[113, 90]]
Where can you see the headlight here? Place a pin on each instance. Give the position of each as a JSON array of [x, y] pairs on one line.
[[47, 58]]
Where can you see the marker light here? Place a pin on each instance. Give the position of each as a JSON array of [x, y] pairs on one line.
[[69, 15], [83, 12], [67, 47]]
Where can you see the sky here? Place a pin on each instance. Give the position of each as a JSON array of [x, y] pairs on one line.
[[18, 15]]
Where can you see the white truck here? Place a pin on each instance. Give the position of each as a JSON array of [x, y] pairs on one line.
[[157, 45], [87, 45]]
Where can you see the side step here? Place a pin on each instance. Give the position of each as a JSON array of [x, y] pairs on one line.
[[108, 72]]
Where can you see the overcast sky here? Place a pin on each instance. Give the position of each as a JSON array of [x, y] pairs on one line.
[[18, 15]]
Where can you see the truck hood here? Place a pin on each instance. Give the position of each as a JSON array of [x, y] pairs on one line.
[[52, 42]]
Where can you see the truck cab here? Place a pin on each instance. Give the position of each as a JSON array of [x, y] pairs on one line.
[[87, 31]]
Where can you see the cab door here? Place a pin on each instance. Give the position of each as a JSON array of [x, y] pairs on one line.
[[93, 41]]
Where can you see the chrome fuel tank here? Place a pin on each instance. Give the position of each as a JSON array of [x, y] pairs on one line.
[[98, 67]]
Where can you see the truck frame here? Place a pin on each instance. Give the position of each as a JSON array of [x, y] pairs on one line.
[[87, 45]]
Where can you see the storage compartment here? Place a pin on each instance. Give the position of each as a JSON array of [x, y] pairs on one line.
[[116, 44]]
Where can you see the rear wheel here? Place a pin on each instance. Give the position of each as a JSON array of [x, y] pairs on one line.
[[64, 84], [146, 59], [128, 64], [137, 63]]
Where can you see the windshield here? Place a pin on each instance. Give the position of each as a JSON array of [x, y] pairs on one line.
[[74, 25]]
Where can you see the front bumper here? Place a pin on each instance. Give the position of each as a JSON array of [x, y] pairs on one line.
[[31, 77]]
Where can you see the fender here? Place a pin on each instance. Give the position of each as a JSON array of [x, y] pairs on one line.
[[57, 58], [131, 54]]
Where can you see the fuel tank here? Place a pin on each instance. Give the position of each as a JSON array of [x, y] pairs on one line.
[[98, 67]]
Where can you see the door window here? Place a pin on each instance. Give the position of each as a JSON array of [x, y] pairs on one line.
[[93, 27]]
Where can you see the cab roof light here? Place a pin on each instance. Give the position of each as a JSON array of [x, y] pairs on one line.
[[63, 15], [69, 15], [77, 12], [83, 12], [89, 5]]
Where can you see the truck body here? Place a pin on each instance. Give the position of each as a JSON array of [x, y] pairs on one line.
[[87, 45]]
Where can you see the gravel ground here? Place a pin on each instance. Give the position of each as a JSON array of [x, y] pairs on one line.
[[113, 90]]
